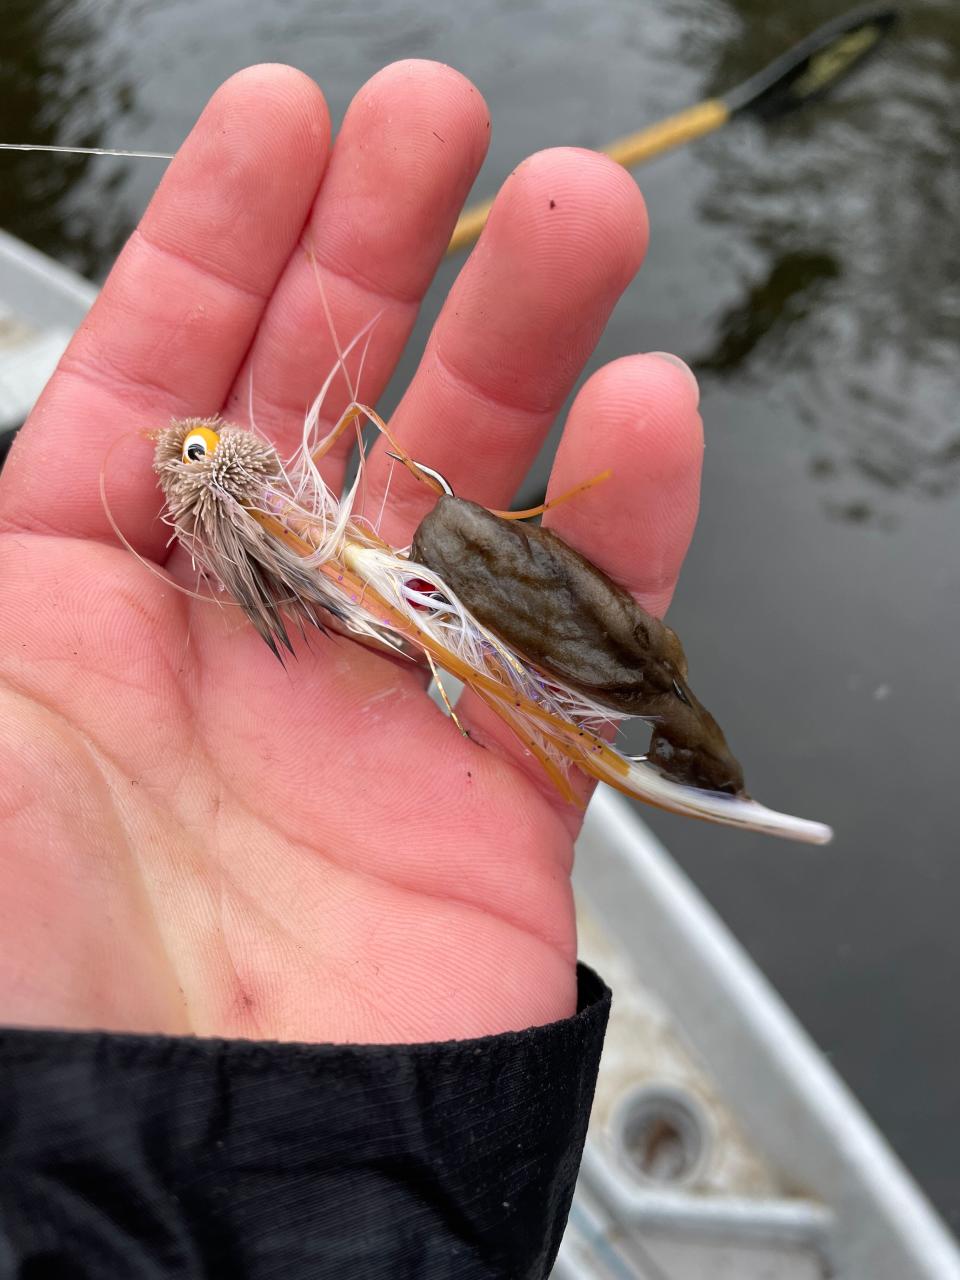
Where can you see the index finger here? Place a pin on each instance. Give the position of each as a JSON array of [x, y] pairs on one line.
[[178, 311]]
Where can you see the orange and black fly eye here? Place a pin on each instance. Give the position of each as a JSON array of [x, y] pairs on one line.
[[199, 443]]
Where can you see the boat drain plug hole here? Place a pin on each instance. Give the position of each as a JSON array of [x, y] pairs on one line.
[[662, 1134]]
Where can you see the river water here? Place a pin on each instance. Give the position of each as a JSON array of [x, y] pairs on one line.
[[810, 271]]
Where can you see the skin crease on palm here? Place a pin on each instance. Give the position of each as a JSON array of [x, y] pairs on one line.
[[195, 838]]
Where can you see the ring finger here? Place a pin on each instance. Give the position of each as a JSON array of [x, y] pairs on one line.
[[566, 236]]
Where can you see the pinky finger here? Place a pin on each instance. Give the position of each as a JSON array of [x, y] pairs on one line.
[[637, 417]]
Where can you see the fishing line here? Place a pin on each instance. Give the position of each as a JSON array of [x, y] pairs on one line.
[[86, 151]]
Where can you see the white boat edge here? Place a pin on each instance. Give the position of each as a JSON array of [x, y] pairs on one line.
[[69, 295], [794, 1106]]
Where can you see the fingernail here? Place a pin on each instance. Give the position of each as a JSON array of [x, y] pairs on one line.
[[679, 364]]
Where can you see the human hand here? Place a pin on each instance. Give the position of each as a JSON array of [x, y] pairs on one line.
[[197, 839]]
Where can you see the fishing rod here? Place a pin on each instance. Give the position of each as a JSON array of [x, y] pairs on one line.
[[802, 74]]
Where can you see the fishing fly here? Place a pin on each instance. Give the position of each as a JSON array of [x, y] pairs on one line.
[[556, 648]]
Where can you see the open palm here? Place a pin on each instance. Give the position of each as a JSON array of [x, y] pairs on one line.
[[195, 838]]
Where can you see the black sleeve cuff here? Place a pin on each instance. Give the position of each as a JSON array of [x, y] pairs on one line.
[[153, 1156]]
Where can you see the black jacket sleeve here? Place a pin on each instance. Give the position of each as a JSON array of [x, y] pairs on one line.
[[151, 1157]]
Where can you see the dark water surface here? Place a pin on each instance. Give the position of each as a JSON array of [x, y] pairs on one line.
[[810, 270]]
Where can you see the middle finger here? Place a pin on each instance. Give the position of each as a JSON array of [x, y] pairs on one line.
[[408, 150]]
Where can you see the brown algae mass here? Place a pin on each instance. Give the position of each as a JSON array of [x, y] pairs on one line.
[[566, 616]]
